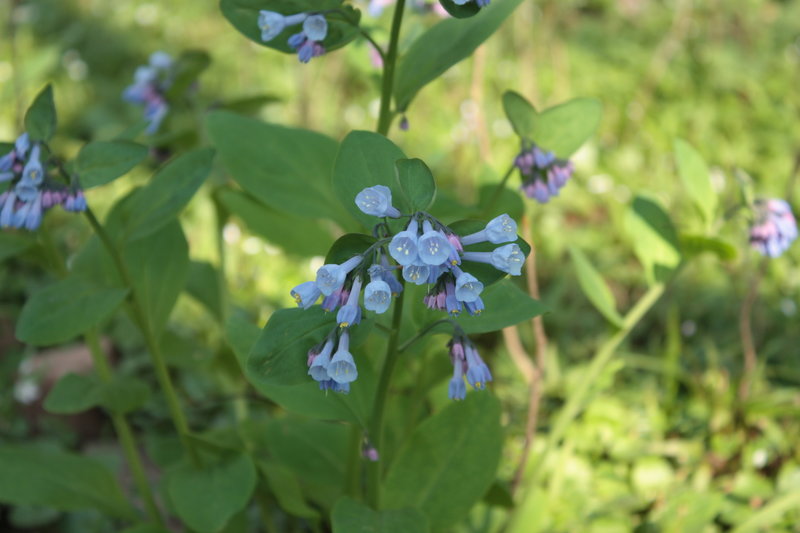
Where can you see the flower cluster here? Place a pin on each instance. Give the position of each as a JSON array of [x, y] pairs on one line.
[[425, 252], [543, 175], [774, 227], [150, 84], [30, 193], [466, 363], [307, 43]]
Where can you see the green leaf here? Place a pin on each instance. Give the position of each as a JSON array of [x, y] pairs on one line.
[[506, 305], [295, 234], [243, 15], [595, 287], [123, 394], [486, 273], [164, 197], [347, 246], [444, 45], [206, 498], [561, 129], [99, 163], [145, 528], [416, 183], [73, 393], [31, 476], [447, 466], [366, 159], [66, 309], [696, 178], [158, 278], [202, 284], [520, 113], [249, 104], [350, 516], [655, 241], [12, 244], [40, 119], [284, 486], [188, 68], [287, 169], [470, 9], [694, 245], [279, 355]]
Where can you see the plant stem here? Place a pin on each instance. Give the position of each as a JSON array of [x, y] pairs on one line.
[[389, 63], [540, 337], [746, 331], [123, 429], [153, 347], [578, 395], [403, 347], [490, 205], [376, 428], [103, 370]]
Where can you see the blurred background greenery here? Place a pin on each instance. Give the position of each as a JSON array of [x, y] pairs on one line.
[[664, 446]]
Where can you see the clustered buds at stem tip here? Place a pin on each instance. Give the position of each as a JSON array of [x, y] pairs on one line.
[[307, 43], [426, 252], [543, 175], [774, 227], [31, 192]]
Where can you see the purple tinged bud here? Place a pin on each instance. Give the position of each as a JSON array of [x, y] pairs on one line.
[[404, 124], [296, 40], [370, 454], [33, 171], [403, 247], [478, 373], [451, 303], [342, 368], [774, 229], [21, 145], [377, 201], [457, 390], [475, 307], [305, 52], [306, 294], [334, 300]]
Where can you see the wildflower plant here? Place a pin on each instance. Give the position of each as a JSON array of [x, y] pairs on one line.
[[402, 313]]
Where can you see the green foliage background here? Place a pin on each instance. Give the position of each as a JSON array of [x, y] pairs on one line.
[[662, 446]]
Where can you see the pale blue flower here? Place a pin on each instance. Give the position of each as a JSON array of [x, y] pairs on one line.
[[403, 247], [499, 230], [306, 294], [350, 312], [331, 277], [433, 247], [457, 390], [33, 168], [468, 288], [508, 258], [478, 373], [377, 296], [316, 27], [417, 274], [319, 365], [377, 201], [272, 23], [342, 368]]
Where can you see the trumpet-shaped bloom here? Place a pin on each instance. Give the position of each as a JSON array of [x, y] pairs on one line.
[[457, 390], [318, 369], [350, 312], [306, 294], [272, 23], [478, 373], [331, 277], [33, 171], [377, 296], [315, 27], [508, 258], [342, 368], [418, 274], [433, 247], [468, 288], [377, 201], [403, 247], [499, 230]]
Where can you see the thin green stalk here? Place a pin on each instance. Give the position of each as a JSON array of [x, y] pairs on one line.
[[427, 329], [578, 395], [123, 430], [103, 369], [376, 428], [389, 64], [490, 205], [153, 347]]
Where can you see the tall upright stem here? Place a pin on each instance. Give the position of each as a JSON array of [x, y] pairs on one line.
[[153, 347], [104, 372], [376, 427], [124, 432], [389, 64]]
